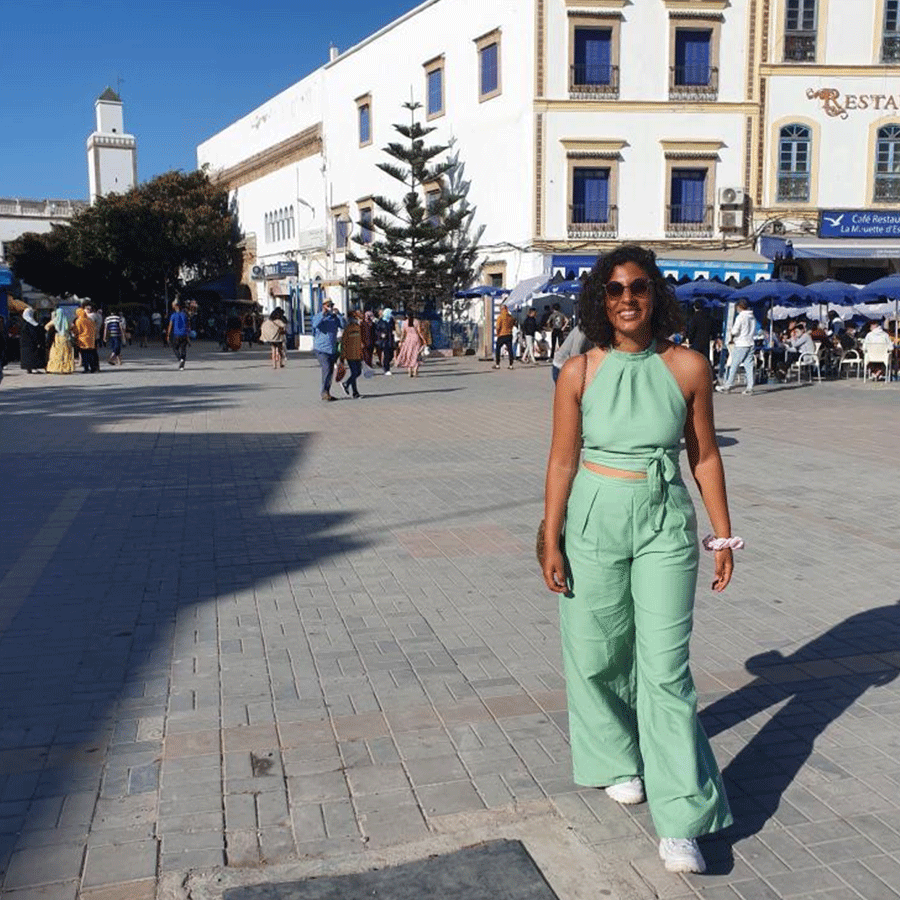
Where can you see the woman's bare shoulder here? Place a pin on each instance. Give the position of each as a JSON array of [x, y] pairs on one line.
[[690, 368]]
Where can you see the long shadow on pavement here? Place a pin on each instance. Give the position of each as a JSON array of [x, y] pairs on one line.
[[109, 539], [821, 681]]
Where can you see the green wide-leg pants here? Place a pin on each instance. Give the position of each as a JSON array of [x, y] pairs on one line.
[[626, 626]]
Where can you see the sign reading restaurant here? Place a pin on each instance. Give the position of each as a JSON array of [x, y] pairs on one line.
[[859, 223], [840, 107]]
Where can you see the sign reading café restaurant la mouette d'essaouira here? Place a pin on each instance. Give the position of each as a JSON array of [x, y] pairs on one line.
[[839, 106], [859, 223]]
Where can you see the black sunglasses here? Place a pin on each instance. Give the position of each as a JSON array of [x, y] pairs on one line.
[[639, 289]]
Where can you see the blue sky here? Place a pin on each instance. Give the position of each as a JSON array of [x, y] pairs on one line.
[[188, 69]]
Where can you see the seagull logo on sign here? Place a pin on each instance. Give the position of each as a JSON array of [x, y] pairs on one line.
[[834, 221]]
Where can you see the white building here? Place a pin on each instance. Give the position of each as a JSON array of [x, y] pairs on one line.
[[581, 124], [111, 153], [18, 216], [829, 139]]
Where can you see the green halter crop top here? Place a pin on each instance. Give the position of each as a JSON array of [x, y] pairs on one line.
[[632, 418]]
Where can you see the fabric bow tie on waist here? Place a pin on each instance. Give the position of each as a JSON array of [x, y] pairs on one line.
[[661, 471]]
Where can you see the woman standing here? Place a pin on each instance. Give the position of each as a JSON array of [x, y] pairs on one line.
[[367, 336], [412, 343], [628, 570], [33, 343], [62, 359]]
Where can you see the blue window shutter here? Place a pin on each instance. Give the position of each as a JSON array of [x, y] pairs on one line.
[[590, 195], [692, 58], [688, 195], [489, 74], [435, 91], [593, 55], [364, 124]]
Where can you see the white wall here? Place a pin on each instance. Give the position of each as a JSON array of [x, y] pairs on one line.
[[110, 117]]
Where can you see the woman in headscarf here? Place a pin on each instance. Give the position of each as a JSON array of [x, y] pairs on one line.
[[384, 330], [367, 335], [32, 338], [62, 359]]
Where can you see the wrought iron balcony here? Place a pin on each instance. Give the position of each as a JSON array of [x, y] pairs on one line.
[[593, 220], [693, 83], [800, 46], [793, 188], [887, 189], [890, 48], [689, 220], [591, 82]]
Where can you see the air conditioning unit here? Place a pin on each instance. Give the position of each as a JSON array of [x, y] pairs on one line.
[[731, 220], [731, 196]]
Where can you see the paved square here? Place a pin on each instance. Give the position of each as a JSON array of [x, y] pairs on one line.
[[243, 628]]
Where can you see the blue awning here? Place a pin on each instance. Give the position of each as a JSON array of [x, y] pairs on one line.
[[809, 247]]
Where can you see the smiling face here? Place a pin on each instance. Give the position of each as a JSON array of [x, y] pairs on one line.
[[629, 302]]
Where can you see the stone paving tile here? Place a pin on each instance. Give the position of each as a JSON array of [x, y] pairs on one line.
[[381, 655]]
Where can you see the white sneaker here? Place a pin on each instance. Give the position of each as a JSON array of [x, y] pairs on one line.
[[681, 855], [748, 391], [722, 389], [628, 792]]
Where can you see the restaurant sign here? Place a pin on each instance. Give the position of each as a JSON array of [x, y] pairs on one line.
[[859, 223], [839, 106]]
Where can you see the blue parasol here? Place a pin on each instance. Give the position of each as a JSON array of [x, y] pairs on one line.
[[711, 292], [784, 293], [832, 291]]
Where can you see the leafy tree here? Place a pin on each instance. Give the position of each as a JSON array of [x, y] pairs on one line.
[[420, 248], [146, 242]]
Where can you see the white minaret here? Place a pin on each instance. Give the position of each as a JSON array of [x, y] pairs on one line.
[[112, 154]]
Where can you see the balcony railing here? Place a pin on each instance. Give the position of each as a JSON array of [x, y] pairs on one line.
[[890, 48], [800, 46], [693, 82], [689, 220], [40, 209], [793, 188], [588, 82], [593, 220], [887, 188]]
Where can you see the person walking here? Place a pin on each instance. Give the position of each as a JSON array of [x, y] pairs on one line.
[[412, 343], [558, 324], [742, 330], [272, 333], [178, 334], [114, 331], [325, 327], [384, 338], [627, 572], [352, 353], [33, 343], [62, 358], [143, 328], [504, 331], [367, 335], [85, 336], [529, 330]]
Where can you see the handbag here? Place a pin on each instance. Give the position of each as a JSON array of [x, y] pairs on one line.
[[340, 371], [540, 543]]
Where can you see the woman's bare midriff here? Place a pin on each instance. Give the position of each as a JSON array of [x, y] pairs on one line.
[[613, 473]]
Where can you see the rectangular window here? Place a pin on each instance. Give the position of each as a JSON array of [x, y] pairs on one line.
[[692, 56], [489, 64], [800, 29], [890, 41], [590, 196], [432, 205], [496, 279], [687, 195], [434, 83], [341, 231], [365, 224], [365, 124], [593, 57]]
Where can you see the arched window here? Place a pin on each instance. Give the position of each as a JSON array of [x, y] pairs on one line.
[[794, 148], [887, 165]]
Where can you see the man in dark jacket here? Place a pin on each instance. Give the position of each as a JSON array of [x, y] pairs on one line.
[[529, 330], [699, 329]]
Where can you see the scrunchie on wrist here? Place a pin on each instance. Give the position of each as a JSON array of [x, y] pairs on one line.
[[710, 542]]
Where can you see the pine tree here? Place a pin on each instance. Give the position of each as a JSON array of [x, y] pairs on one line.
[[420, 249]]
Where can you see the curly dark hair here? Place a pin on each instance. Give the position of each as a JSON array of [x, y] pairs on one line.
[[667, 317]]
